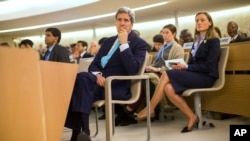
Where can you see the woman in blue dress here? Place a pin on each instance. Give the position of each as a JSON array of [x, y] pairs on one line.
[[200, 72]]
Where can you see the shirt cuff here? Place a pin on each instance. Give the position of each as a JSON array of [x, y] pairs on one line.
[[96, 72], [123, 47]]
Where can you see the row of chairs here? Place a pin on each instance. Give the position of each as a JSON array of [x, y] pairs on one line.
[[136, 87]]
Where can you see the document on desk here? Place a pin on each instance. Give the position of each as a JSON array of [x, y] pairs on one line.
[[171, 62]]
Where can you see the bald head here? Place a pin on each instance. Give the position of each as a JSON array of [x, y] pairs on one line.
[[185, 36], [232, 28]]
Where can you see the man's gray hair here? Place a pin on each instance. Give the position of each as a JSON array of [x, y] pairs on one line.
[[130, 12]]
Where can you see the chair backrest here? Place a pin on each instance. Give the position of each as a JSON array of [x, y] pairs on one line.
[[84, 64], [219, 84], [186, 57], [222, 68], [150, 59], [136, 84]]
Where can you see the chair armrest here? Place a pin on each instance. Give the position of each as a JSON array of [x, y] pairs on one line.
[[190, 92], [127, 77], [108, 95]]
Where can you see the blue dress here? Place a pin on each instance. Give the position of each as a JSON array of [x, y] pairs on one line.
[[202, 69]]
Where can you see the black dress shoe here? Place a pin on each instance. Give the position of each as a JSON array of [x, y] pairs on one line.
[[83, 137], [124, 122], [118, 120]]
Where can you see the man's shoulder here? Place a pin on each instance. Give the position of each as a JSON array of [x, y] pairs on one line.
[[60, 47]]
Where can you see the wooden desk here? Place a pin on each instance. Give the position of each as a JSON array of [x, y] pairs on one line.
[[34, 96]]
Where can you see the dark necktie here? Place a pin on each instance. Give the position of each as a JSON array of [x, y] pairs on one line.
[[47, 55]]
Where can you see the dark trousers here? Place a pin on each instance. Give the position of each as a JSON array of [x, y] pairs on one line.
[[85, 92]]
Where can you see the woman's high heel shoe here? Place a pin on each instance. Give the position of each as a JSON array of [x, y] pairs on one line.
[[144, 117], [189, 129]]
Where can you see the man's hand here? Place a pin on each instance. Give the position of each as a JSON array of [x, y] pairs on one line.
[[100, 81], [123, 36]]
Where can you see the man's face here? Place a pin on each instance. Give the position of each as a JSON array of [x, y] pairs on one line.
[[158, 45], [79, 47], [232, 29], [123, 22], [50, 39]]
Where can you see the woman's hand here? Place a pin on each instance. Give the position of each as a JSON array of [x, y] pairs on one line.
[[151, 68], [179, 66]]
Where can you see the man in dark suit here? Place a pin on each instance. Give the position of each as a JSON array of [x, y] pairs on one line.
[[128, 55], [55, 52], [82, 47], [232, 30]]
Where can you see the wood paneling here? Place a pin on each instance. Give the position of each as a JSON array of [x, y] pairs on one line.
[[34, 96]]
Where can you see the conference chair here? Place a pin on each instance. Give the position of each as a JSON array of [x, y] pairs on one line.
[[219, 84], [109, 103], [186, 57], [84, 64]]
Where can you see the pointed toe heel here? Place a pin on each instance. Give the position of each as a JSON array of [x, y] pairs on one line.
[[189, 129]]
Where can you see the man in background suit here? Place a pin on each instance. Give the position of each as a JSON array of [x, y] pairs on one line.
[[55, 52], [232, 30], [129, 54], [81, 47]]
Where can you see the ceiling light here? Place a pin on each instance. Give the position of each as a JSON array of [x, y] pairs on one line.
[[13, 9], [78, 20]]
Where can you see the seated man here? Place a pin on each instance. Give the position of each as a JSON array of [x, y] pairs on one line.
[[122, 54], [232, 30], [185, 37]]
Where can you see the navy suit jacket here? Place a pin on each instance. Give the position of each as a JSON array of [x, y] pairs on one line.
[[126, 62], [58, 54], [238, 39], [85, 55], [206, 58], [86, 90]]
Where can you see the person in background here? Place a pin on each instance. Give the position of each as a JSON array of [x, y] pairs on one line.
[[217, 29], [122, 54], [41, 51], [200, 72], [94, 48], [26, 43], [5, 44], [101, 41], [81, 48], [137, 32], [171, 50], [185, 37], [158, 42], [55, 52], [232, 30]]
